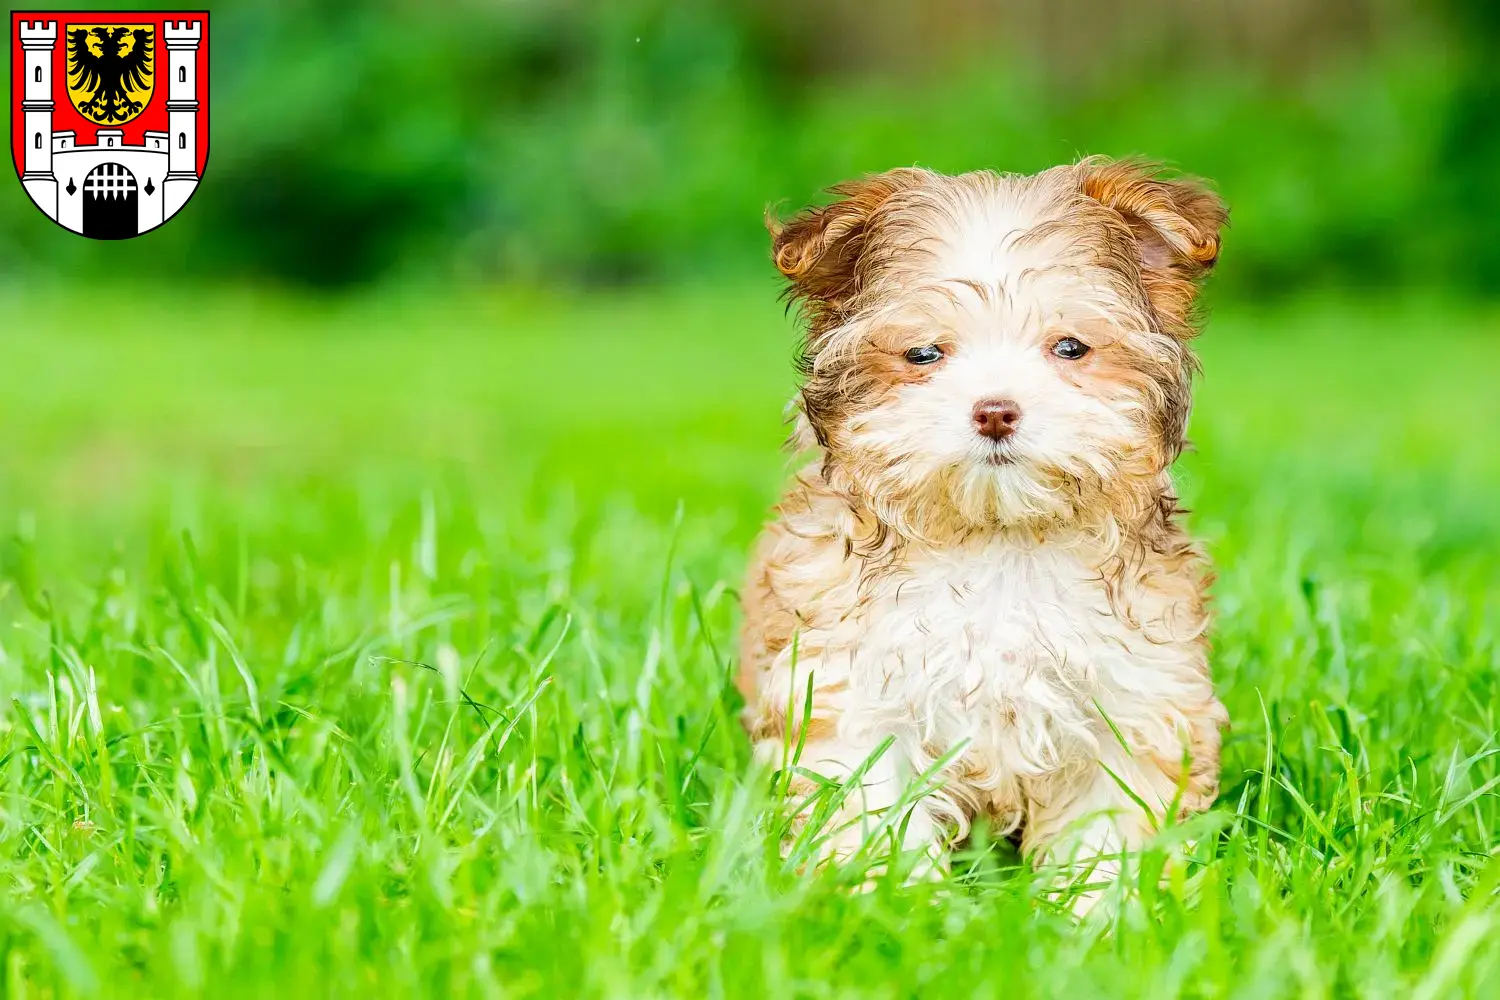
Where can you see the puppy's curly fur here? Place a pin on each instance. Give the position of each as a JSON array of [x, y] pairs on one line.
[[1023, 599]]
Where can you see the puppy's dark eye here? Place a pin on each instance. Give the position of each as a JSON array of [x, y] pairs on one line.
[[924, 355], [1070, 348]]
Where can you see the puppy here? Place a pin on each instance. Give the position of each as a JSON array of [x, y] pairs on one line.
[[983, 570]]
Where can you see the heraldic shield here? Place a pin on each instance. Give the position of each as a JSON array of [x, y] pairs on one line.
[[109, 115]]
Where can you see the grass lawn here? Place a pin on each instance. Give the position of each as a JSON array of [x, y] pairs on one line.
[[381, 649]]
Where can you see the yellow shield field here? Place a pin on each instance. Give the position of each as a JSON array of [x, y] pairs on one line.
[[111, 70]]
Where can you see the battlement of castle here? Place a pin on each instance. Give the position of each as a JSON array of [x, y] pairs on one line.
[[38, 31], [152, 142], [183, 32]]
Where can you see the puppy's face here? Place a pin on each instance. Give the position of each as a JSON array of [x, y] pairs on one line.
[[991, 350]]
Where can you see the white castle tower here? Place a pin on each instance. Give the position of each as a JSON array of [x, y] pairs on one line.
[[38, 38], [182, 39]]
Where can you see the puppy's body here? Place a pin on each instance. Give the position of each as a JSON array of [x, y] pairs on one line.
[[984, 563]]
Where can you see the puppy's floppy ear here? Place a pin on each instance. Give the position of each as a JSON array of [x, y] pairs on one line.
[[819, 250], [1176, 223]]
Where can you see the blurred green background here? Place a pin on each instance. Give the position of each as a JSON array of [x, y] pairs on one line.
[[569, 142]]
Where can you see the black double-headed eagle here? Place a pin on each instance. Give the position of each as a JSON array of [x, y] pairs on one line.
[[112, 75]]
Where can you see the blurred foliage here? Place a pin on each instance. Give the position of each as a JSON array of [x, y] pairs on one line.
[[1357, 140]]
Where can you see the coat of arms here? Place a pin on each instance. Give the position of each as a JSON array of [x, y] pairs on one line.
[[103, 144]]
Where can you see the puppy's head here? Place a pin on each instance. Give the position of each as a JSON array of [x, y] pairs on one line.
[[988, 350]]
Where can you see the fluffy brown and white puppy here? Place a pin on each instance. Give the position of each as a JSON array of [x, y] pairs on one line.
[[984, 562]]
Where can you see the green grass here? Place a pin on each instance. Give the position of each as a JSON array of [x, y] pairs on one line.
[[381, 649]]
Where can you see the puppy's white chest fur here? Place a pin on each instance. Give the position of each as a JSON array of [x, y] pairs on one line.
[[1009, 655]]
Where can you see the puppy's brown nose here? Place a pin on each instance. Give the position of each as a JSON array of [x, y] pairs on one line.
[[997, 419]]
